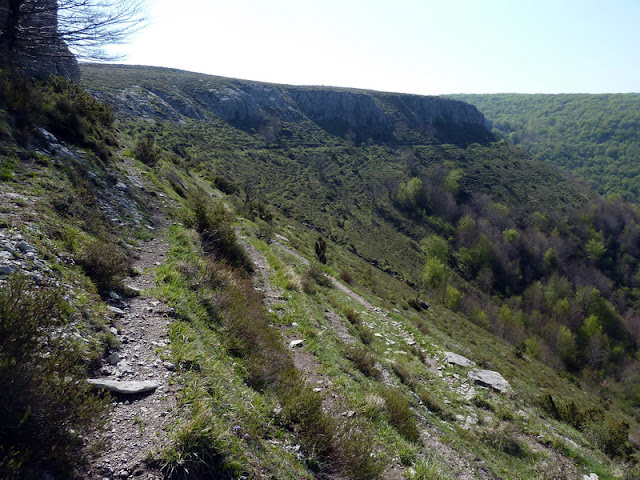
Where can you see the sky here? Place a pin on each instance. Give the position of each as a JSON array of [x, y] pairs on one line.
[[413, 46]]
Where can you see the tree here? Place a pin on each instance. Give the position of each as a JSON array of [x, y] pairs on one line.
[[51, 32]]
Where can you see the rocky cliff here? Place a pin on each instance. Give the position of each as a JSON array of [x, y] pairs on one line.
[[172, 94], [29, 39]]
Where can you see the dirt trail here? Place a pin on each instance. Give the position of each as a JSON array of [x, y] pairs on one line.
[[137, 422]]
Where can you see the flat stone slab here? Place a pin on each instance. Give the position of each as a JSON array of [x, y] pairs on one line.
[[130, 387], [455, 359], [489, 378]]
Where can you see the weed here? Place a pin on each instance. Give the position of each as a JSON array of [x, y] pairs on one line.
[[430, 402], [352, 315], [316, 273], [212, 221]]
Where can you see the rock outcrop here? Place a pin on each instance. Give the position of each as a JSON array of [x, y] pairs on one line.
[[29, 39], [358, 114]]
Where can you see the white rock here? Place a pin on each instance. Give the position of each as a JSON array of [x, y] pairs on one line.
[[296, 343], [455, 359], [123, 387], [489, 378]]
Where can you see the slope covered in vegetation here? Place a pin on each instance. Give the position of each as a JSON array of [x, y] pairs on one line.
[[299, 259], [593, 136]]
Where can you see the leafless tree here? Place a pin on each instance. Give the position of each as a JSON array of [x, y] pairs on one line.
[[43, 29], [88, 25]]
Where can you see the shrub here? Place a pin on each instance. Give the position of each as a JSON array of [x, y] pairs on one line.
[[404, 375], [346, 276], [212, 221], [364, 361], [505, 439], [316, 273], [399, 413], [45, 401], [145, 150], [428, 401], [352, 315], [365, 334], [104, 262]]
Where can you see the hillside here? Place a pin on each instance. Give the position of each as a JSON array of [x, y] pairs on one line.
[[593, 136], [267, 266]]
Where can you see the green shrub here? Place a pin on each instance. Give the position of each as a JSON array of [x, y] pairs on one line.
[[145, 150], [212, 221], [428, 401], [346, 276], [399, 413], [366, 335], [505, 439], [352, 315], [364, 361], [104, 262], [45, 402], [404, 374], [316, 273]]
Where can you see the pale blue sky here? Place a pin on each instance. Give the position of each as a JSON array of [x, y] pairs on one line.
[[424, 47]]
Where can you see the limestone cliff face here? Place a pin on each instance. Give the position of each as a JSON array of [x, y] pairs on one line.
[[172, 94], [29, 40]]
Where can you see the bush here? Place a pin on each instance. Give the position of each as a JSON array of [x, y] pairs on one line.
[[404, 375], [105, 263], [212, 221], [316, 274], [346, 276], [352, 315], [145, 150], [428, 470], [505, 439], [45, 403], [428, 401], [365, 334], [364, 361], [399, 413]]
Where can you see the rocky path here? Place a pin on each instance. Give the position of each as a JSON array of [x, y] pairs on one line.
[[138, 421]]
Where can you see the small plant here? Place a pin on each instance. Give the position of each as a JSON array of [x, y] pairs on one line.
[[428, 469], [364, 361], [505, 439], [212, 221], [365, 334], [146, 151], [404, 375], [321, 250], [316, 273], [431, 403], [104, 262], [399, 413], [346, 276], [352, 315]]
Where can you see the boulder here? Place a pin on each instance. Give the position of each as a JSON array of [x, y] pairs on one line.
[[489, 378], [130, 387], [455, 359]]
